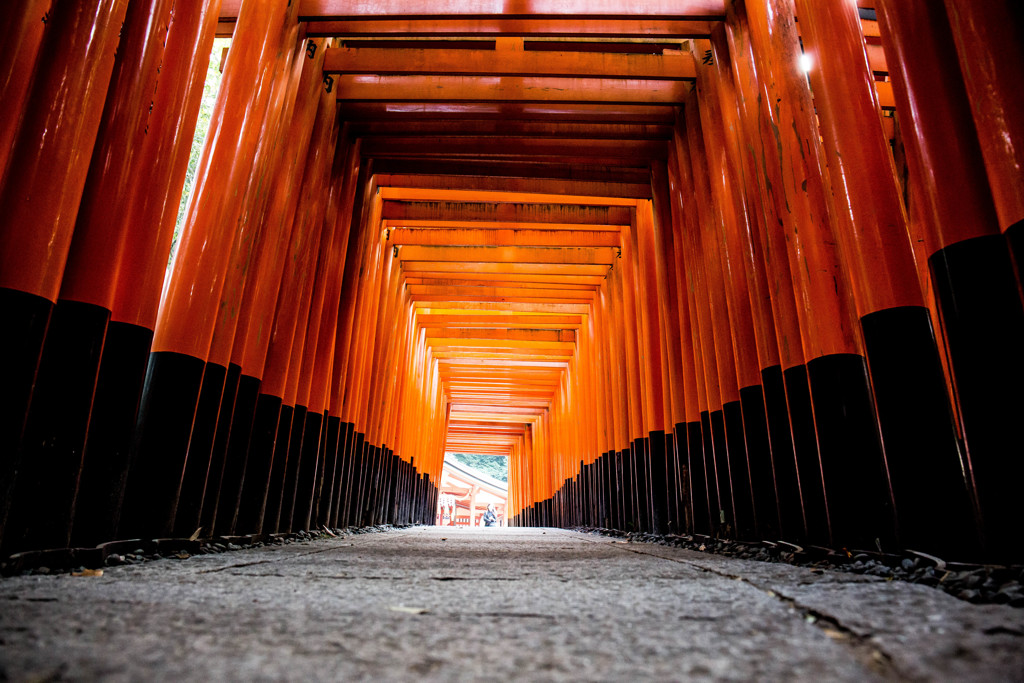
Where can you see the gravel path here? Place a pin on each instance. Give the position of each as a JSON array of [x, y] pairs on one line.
[[472, 604]]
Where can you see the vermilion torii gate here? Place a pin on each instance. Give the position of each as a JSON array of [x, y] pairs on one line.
[[743, 268]]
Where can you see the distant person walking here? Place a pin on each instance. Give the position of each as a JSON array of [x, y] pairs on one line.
[[490, 519]]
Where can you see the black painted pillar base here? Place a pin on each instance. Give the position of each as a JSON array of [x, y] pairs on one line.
[[983, 319], [53, 442], [622, 501], [1015, 240], [787, 483], [341, 475], [197, 465], [642, 462], [115, 410], [759, 459], [739, 471], [852, 463], [725, 521], [291, 480], [25, 321], [357, 456], [197, 470], [278, 472], [360, 483], [325, 491], [914, 414], [816, 526], [169, 399], [660, 482], [260, 464], [236, 456], [306, 480], [700, 506], [217, 422]]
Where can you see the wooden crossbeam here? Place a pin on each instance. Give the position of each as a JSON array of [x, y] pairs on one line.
[[555, 129], [502, 283], [450, 333], [570, 309], [504, 237], [408, 61], [533, 185], [434, 267], [498, 147], [413, 194], [498, 280], [406, 212], [547, 27], [504, 321], [368, 88], [506, 255], [578, 112]]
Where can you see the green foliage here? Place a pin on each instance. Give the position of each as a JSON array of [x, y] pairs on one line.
[[494, 466], [210, 88]]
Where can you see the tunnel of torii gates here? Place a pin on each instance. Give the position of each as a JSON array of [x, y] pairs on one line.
[[743, 269]]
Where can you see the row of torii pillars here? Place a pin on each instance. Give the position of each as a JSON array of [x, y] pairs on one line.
[[782, 351]]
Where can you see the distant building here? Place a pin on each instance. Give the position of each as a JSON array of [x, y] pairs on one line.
[[465, 493]]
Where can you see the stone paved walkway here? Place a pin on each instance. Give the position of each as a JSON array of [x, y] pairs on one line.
[[502, 604]]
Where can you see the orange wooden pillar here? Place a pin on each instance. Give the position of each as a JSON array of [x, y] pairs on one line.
[[244, 281], [22, 27], [42, 183], [359, 326], [988, 46], [667, 391], [921, 450], [753, 325], [306, 436], [631, 390], [702, 458], [688, 435], [39, 199], [350, 456], [764, 189], [247, 457], [703, 333], [241, 466], [343, 191], [142, 253], [728, 356], [190, 310], [650, 446], [840, 426], [969, 258], [52, 449]]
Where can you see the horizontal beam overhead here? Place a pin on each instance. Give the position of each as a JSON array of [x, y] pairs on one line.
[[365, 9], [498, 196], [502, 169], [498, 147], [467, 212], [495, 26], [497, 280], [366, 88], [557, 129], [524, 335], [569, 8], [440, 320], [608, 112], [408, 61], [507, 306], [490, 237], [567, 255]]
